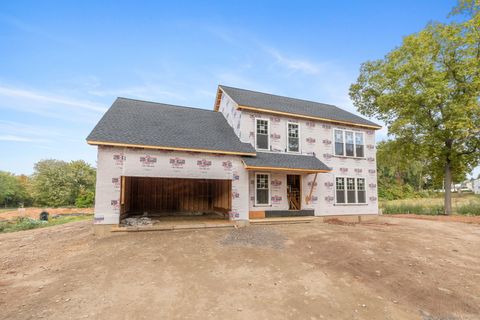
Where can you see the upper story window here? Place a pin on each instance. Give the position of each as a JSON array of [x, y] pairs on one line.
[[349, 143], [293, 143], [350, 190], [262, 136]]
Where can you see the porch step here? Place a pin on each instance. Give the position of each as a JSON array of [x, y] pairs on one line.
[[283, 220]]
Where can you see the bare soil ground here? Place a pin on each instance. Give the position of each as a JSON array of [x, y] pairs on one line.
[[452, 218], [35, 212], [387, 269]]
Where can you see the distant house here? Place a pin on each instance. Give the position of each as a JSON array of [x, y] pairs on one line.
[[476, 186], [256, 155]]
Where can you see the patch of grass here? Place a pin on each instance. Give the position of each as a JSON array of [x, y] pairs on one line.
[[7, 209], [413, 209], [461, 203], [26, 223], [469, 209]]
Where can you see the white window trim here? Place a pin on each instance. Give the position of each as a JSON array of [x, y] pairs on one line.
[[269, 190], [356, 203], [268, 134], [345, 144], [299, 138]]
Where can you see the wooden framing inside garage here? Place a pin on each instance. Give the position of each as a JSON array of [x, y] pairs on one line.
[[174, 196]]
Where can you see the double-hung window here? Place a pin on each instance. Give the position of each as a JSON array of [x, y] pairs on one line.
[[262, 189], [262, 136], [349, 143], [350, 190], [293, 144]]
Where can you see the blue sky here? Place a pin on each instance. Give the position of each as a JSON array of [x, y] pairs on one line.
[[62, 63]]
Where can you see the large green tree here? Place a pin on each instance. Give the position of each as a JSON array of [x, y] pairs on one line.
[[13, 190], [59, 183], [427, 91]]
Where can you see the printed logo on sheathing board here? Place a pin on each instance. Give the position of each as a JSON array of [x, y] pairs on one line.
[[373, 199], [235, 176], [275, 136], [343, 170], [204, 164], [115, 205], [275, 120], [326, 126], [276, 183], [311, 140], [370, 132], [372, 171], [328, 184], [370, 159], [234, 214], [227, 165], [98, 219], [329, 199], [370, 146], [314, 199], [148, 161], [119, 159], [276, 199], [310, 124], [235, 194], [310, 183], [372, 185], [358, 170], [327, 156], [327, 142], [116, 183], [177, 163]]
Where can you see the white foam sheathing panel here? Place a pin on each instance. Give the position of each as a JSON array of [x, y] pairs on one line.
[[114, 162], [316, 138]]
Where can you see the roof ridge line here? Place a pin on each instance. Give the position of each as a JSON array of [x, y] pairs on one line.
[[280, 96], [166, 104]]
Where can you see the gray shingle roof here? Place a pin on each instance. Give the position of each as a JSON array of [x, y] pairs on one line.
[[155, 124], [285, 160], [291, 105]]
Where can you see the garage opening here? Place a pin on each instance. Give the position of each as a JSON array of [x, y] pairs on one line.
[[175, 197]]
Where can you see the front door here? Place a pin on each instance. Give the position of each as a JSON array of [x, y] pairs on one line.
[[294, 192]]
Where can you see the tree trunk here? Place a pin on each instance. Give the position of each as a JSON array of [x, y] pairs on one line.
[[448, 188]]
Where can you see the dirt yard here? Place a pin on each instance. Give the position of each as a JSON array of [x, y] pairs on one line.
[[389, 269]]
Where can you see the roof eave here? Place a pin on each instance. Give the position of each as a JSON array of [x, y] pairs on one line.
[[295, 115], [168, 148], [283, 169]]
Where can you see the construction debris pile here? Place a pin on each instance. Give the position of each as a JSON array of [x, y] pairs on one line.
[[137, 221]]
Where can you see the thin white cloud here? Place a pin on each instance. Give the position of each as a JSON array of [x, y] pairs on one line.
[[15, 138], [49, 98], [294, 64]]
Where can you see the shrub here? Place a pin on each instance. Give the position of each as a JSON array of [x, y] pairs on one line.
[[85, 199], [26, 223], [470, 209]]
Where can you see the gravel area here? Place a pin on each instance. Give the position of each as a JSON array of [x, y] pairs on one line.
[[255, 236]]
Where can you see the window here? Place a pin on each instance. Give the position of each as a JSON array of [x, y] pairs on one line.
[[361, 195], [262, 135], [359, 144], [349, 143], [349, 146], [350, 190], [262, 189], [339, 143], [293, 144], [340, 190]]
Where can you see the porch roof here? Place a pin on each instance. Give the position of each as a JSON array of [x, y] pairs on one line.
[[285, 162]]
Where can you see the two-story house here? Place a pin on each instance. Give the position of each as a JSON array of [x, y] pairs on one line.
[[256, 155]]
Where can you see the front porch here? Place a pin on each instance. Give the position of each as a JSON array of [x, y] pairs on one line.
[[283, 185]]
